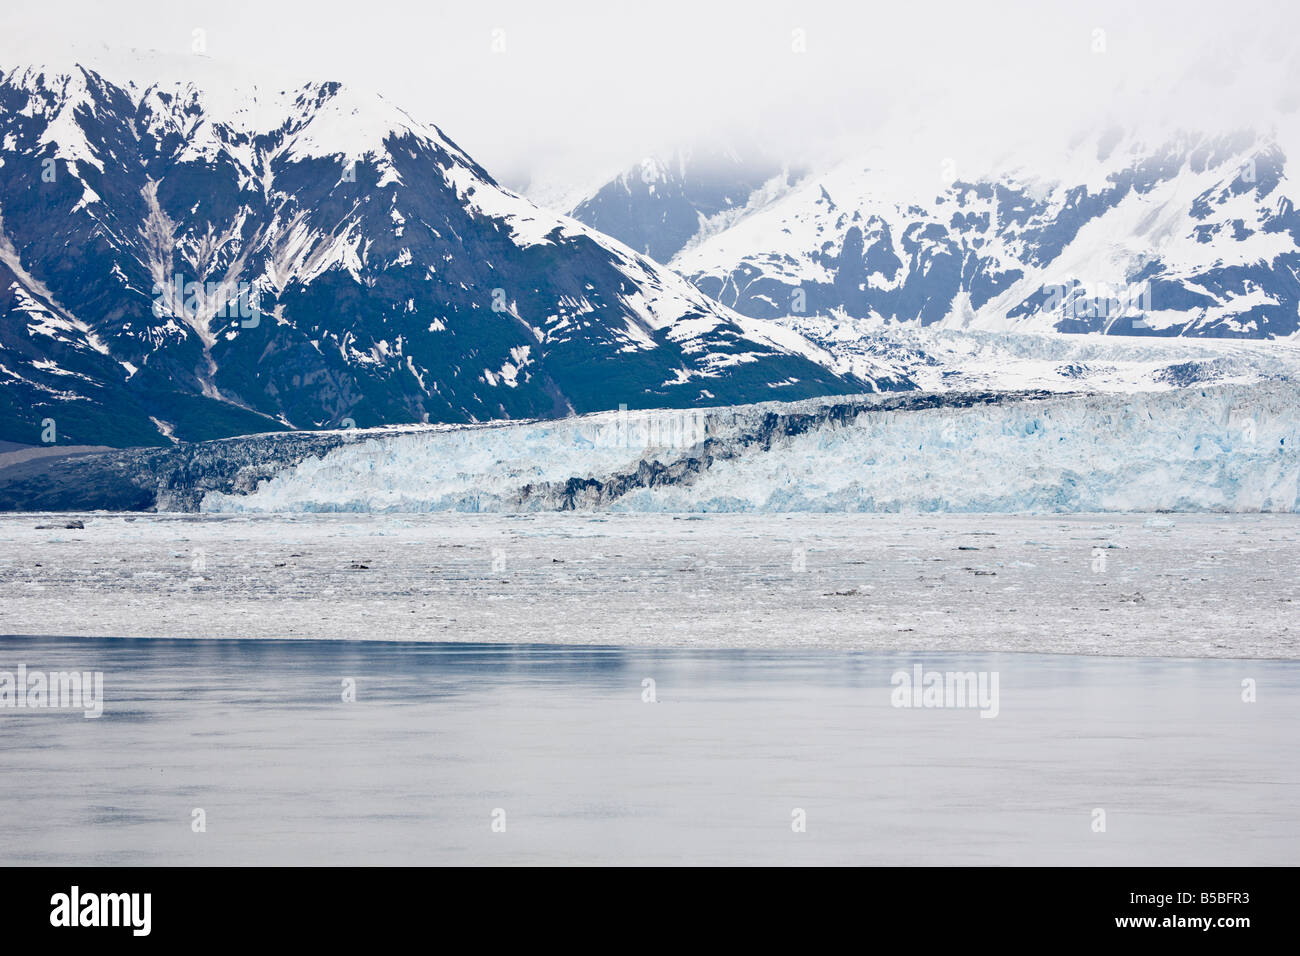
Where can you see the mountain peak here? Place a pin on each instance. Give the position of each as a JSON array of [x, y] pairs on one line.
[[195, 262]]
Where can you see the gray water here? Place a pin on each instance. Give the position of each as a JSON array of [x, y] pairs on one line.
[[442, 735]]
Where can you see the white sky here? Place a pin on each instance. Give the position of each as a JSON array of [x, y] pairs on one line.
[[583, 87]]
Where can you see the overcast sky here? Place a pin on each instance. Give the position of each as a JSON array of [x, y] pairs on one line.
[[571, 87]]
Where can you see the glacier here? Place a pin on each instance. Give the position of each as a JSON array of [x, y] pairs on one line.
[[944, 360], [1228, 448]]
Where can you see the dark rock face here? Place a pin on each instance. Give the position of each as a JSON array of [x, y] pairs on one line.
[[320, 259], [173, 478]]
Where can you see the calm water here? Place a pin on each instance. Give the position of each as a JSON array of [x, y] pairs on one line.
[[441, 735]]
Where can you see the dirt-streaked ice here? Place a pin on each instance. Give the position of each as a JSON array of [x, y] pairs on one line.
[[1232, 449]]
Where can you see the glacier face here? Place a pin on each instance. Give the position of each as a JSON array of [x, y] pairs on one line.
[[1227, 448], [461, 469]]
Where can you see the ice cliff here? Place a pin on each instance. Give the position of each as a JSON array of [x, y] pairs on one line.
[[1227, 448]]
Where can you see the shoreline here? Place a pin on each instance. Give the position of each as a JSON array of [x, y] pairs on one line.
[[520, 647]]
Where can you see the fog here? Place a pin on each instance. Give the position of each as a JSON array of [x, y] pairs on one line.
[[570, 90]]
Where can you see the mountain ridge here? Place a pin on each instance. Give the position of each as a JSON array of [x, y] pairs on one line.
[[1175, 232], [313, 257], [1195, 235]]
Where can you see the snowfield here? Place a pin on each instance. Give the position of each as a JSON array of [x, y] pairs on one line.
[[945, 360]]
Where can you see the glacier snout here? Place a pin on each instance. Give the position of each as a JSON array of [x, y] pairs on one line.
[[1226, 449]]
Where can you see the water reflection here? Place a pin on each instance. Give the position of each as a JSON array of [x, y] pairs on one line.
[[257, 734]]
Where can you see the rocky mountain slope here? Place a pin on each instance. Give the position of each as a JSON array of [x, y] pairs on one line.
[[1174, 233], [666, 202], [177, 264]]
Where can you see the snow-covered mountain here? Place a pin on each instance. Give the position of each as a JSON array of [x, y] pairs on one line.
[[182, 263], [667, 201], [1189, 235]]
